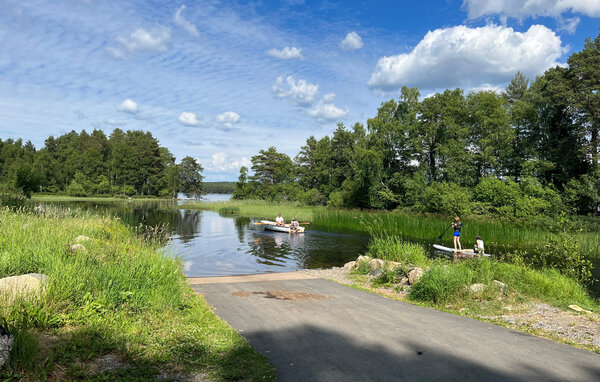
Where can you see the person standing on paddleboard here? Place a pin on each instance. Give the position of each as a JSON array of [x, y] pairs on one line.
[[457, 226]]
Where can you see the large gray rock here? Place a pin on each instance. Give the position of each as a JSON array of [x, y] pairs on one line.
[[376, 272], [362, 259], [6, 343], [414, 275], [24, 286], [499, 284], [478, 287], [77, 248], [350, 265], [376, 263]]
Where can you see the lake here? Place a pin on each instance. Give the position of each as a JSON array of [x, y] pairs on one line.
[[214, 245]]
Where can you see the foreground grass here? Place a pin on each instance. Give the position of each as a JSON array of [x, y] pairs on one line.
[[120, 297], [500, 236]]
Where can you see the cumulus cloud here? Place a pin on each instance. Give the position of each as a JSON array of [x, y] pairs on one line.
[[228, 118], [189, 119], [155, 40], [299, 92], [287, 53], [220, 162], [525, 8], [468, 57], [128, 106], [326, 111], [352, 41], [182, 22]]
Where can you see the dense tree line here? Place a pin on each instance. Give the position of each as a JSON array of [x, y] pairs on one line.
[[80, 164], [531, 149], [219, 187]]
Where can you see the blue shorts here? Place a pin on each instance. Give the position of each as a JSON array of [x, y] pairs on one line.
[[457, 234]]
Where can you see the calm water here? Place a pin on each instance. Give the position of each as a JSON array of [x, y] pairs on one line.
[[214, 245]]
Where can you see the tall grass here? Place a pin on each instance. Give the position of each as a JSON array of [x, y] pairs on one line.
[[392, 248], [121, 295], [257, 209], [446, 282]]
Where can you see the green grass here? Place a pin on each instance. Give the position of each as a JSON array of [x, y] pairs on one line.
[[446, 283], [122, 296], [257, 209], [392, 248], [67, 198]]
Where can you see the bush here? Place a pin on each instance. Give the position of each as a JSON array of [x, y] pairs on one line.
[[311, 197], [76, 189], [446, 198], [12, 198], [128, 190], [336, 199]]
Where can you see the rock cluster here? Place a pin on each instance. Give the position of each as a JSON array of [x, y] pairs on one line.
[[377, 266]]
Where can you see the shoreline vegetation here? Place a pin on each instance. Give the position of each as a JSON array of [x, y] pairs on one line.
[[500, 234], [111, 296]]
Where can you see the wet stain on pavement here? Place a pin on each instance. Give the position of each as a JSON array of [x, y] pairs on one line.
[[283, 295]]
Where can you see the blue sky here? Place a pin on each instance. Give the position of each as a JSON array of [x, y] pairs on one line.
[[219, 80]]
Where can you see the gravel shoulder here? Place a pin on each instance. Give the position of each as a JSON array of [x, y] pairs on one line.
[[574, 328]]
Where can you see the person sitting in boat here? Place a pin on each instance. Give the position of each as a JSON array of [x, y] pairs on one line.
[[457, 226], [479, 246], [294, 225], [279, 220]]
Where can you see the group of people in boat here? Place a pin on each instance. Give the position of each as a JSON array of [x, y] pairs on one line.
[[281, 222], [479, 247]]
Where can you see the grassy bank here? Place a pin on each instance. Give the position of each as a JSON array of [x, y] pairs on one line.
[[120, 297], [499, 235], [67, 198]]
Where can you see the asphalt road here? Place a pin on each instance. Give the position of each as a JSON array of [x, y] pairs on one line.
[[318, 330]]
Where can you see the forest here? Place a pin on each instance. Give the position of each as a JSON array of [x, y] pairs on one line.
[[82, 164], [531, 149]]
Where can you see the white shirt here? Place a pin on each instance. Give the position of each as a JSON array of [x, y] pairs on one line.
[[480, 245], [279, 220]]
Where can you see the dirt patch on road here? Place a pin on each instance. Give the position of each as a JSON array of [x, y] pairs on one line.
[[283, 295]]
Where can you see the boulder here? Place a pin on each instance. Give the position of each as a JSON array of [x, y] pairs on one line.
[[23, 285], [362, 259], [376, 263], [393, 265], [81, 239], [77, 248], [415, 275], [478, 288], [402, 280], [499, 284], [350, 265], [6, 343], [376, 272]]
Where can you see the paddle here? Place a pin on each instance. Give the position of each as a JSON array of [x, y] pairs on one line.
[[442, 234], [304, 223]]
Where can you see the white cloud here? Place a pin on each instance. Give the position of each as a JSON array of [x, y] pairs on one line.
[[352, 41], [182, 22], [228, 118], [128, 106], [189, 119], [300, 92], [468, 57], [155, 40], [326, 111], [568, 25], [220, 162], [287, 53], [525, 8]]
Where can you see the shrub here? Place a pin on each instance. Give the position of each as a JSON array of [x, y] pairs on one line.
[[128, 190], [336, 199], [76, 189], [447, 199], [312, 197], [12, 198]]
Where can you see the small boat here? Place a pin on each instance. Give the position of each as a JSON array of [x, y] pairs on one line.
[[463, 252], [272, 226]]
